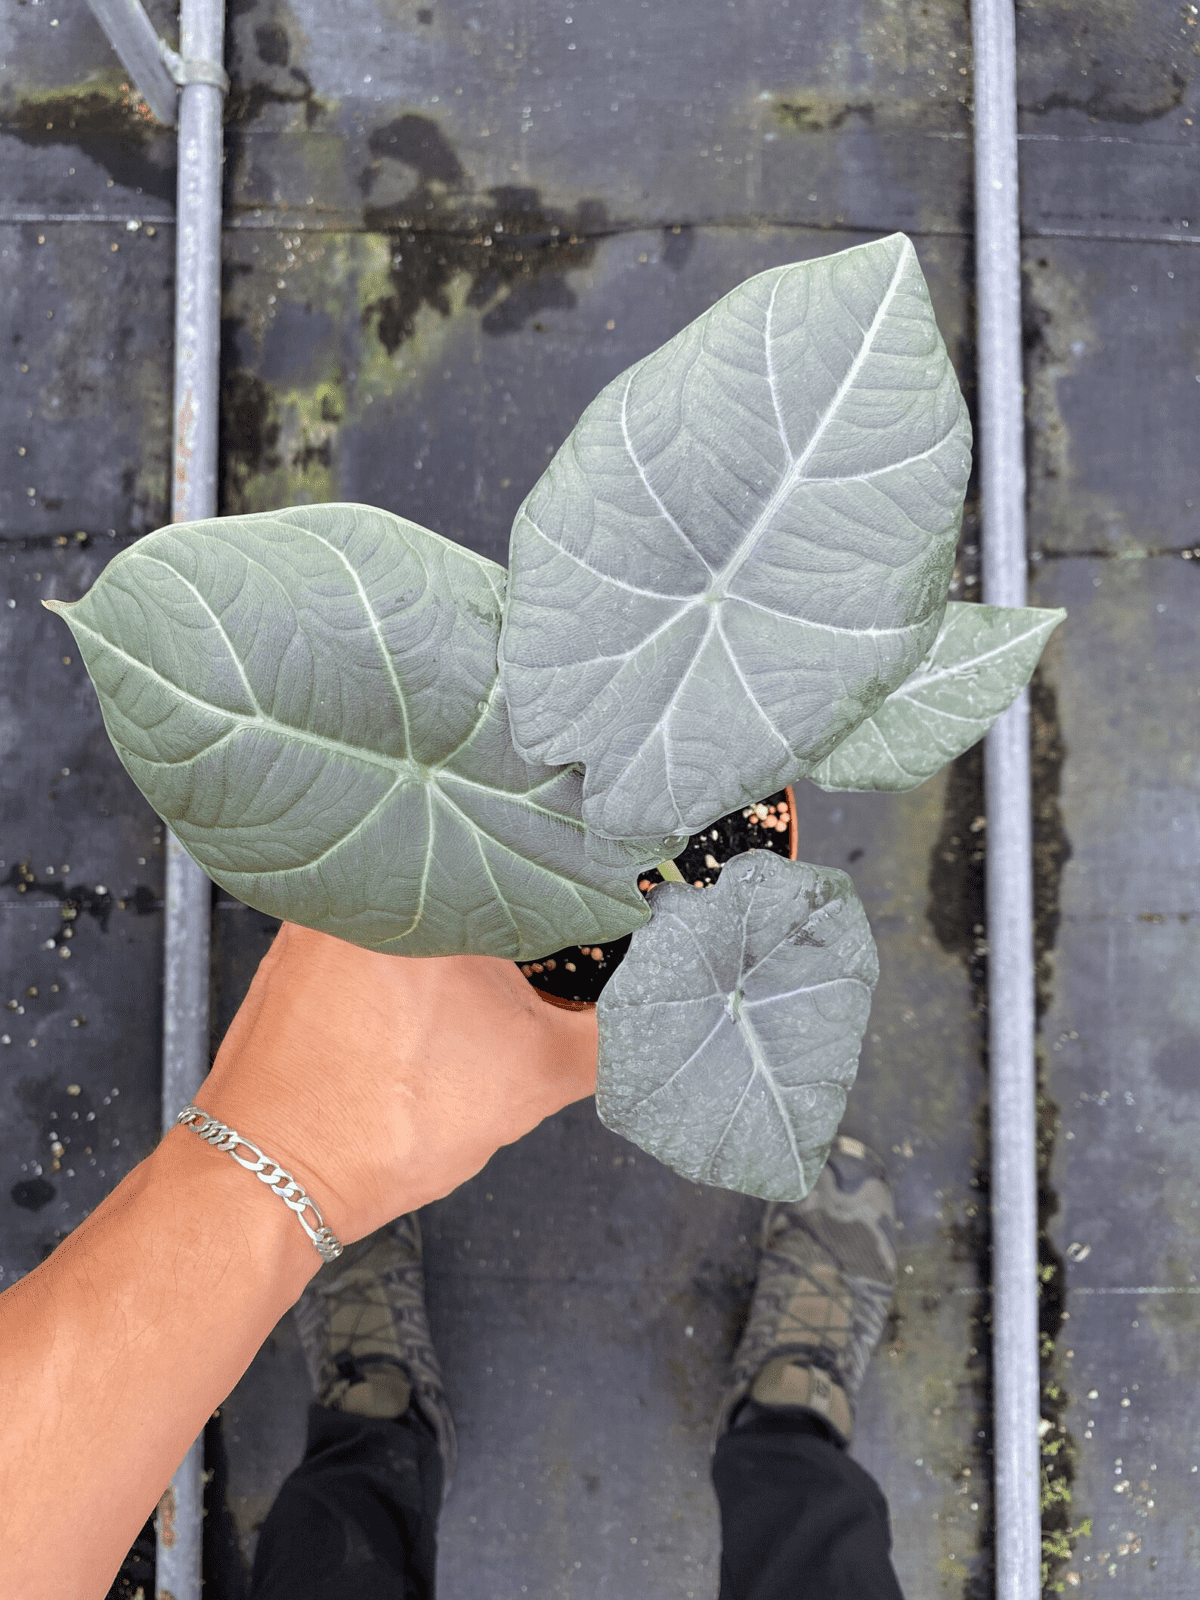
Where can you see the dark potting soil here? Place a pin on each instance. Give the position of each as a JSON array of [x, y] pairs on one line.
[[581, 971]]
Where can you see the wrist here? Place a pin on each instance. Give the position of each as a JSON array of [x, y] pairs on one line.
[[119, 1346], [209, 1180]]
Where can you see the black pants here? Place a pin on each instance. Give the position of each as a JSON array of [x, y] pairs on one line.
[[357, 1519]]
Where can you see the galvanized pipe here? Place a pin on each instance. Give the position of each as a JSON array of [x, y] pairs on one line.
[[1015, 1364], [193, 495], [132, 36]]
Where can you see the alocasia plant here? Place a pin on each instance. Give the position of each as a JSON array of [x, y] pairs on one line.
[[731, 576]]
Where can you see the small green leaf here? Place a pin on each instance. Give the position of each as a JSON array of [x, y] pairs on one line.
[[730, 1033], [981, 660], [310, 699], [744, 545]]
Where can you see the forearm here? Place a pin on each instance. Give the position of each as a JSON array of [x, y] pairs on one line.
[[397, 1079], [116, 1350]]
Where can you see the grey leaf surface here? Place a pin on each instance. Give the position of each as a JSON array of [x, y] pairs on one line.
[[606, 852], [981, 659], [310, 700], [730, 1033], [743, 547]]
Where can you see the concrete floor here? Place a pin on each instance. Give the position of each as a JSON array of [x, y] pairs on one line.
[[585, 1300]]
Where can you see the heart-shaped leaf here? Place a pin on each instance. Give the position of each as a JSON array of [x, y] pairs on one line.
[[981, 659], [730, 1033], [743, 547], [310, 699]]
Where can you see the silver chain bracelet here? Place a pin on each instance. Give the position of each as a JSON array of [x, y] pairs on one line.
[[267, 1171]]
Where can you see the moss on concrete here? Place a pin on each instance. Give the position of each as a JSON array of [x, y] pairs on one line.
[[105, 119]]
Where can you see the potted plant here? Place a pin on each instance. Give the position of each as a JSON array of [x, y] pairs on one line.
[[732, 576]]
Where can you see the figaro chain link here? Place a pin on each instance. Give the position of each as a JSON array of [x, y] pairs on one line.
[[222, 1137]]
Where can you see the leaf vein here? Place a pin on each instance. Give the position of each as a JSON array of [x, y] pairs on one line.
[[375, 625]]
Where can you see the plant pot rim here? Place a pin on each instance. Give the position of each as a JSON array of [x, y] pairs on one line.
[[793, 850]]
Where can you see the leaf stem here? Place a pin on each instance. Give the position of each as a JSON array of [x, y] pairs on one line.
[[670, 873]]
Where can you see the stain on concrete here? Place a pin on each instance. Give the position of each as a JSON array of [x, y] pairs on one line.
[[76, 898], [263, 40], [31, 1194], [1113, 60], [246, 101], [287, 374], [514, 249], [1051, 847], [296, 371], [900, 67], [112, 126], [249, 432], [679, 241], [1051, 852], [821, 110], [957, 910], [815, 114], [271, 42], [416, 142], [957, 914], [1058, 334]]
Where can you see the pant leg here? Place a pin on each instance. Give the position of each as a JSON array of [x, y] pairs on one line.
[[799, 1519], [357, 1519]]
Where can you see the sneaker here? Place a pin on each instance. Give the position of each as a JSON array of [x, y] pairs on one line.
[[365, 1333], [826, 1277]]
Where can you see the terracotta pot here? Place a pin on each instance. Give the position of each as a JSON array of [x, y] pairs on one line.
[[590, 1005]]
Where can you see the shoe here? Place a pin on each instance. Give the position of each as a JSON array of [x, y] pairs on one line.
[[826, 1277], [365, 1334]]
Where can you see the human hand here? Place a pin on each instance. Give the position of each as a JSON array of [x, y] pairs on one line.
[[383, 1082]]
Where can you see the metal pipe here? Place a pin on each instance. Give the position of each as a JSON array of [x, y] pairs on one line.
[[193, 495], [198, 266], [1016, 1377], [132, 36]]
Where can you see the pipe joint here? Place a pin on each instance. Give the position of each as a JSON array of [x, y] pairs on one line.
[[193, 70]]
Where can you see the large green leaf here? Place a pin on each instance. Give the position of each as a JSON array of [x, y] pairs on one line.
[[730, 1033], [310, 699], [981, 659], [743, 547]]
